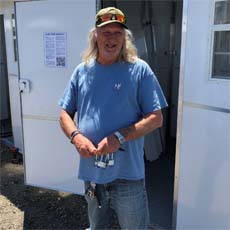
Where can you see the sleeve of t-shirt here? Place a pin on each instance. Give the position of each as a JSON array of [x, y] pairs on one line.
[[68, 101], [150, 95]]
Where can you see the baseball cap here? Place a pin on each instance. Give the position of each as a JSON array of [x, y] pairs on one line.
[[110, 15]]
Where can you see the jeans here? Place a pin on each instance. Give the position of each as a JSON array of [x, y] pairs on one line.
[[127, 198]]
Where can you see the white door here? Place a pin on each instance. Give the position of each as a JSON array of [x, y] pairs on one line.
[[203, 143], [51, 37]]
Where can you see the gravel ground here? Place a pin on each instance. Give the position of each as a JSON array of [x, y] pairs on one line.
[[27, 207]]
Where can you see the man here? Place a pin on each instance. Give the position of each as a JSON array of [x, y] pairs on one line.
[[118, 100]]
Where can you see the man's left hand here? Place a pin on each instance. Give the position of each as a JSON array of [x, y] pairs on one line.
[[108, 144]]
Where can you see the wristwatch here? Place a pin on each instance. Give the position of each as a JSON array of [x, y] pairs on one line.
[[119, 137]]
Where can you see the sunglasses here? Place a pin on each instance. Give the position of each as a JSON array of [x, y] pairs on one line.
[[110, 17]]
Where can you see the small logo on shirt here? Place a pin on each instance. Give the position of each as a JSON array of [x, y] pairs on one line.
[[117, 86]]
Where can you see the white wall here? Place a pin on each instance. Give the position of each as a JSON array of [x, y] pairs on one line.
[[203, 159]]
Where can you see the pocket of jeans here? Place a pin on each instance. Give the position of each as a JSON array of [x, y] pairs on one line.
[[129, 188]]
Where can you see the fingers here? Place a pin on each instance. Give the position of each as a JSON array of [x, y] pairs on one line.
[[88, 150], [100, 150], [104, 147], [85, 153], [107, 145], [84, 146]]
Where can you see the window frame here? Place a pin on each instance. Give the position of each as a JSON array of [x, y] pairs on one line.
[[216, 28]]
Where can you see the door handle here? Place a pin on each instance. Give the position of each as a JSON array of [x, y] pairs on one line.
[[24, 86]]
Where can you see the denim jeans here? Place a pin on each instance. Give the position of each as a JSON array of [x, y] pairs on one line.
[[127, 198]]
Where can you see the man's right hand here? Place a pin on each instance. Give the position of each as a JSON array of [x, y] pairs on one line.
[[84, 146]]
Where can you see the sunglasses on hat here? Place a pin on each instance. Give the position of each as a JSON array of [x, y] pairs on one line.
[[109, 17]]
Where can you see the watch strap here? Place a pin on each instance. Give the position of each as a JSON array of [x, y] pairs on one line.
[[120, 137]]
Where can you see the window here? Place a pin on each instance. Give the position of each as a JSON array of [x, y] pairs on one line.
[[221, 41], [14, 37], [222, 12]]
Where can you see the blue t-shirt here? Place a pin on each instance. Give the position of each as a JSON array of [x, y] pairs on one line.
[[106, 99]]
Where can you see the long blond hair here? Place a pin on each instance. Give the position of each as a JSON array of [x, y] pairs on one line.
[[128, 52]]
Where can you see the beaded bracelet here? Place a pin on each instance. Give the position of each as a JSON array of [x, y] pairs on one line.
[[73, 134]]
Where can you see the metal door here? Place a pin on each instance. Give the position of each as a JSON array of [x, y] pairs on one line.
[[50, 160]]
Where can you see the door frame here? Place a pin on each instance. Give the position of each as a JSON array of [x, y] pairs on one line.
[[5, 67], [180, 112]]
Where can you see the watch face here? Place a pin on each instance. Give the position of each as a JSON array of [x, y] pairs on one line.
[[122, 139]]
